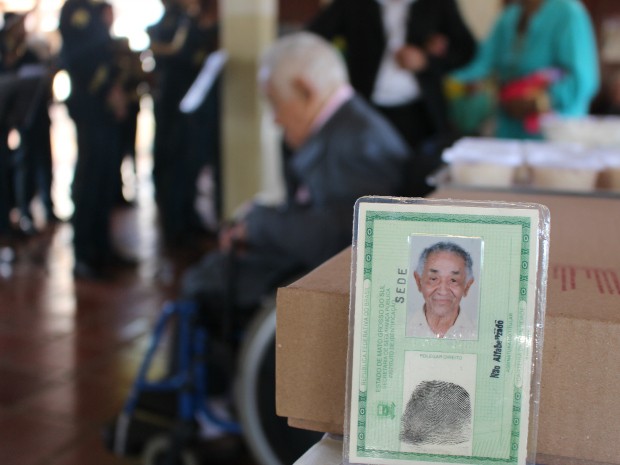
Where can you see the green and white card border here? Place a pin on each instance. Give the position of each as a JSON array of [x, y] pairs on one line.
[[535, 223]]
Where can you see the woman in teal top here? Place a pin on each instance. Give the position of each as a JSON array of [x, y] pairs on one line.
[[531, 36]]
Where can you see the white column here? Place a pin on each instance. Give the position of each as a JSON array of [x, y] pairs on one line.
[[250, 148], [480, 15]]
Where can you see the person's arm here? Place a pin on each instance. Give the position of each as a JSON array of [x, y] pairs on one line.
[[454, 45], [484, 62], [577, 57], [306, 235], [177, 43], [450, 46]]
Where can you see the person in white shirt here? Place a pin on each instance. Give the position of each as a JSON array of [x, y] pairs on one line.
[[397, 52]]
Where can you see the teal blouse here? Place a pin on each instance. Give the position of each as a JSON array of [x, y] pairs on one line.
[[559, 35]]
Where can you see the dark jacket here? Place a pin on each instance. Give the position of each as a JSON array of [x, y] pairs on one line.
[[355, 153], [360, 24]]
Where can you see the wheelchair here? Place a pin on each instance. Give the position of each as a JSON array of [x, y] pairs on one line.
[[161, 420]]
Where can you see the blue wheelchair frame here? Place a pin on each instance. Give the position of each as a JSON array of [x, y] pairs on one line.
[[189, 380]]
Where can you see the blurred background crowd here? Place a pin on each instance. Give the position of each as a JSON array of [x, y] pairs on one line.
[[102, 77], [111, 60]]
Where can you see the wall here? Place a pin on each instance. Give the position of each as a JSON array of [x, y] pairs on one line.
[[250, 152], [480, 15]]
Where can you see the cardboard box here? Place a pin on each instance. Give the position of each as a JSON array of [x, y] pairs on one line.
[[579, 420]]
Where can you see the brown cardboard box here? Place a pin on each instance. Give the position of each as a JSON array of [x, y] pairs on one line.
[[579, 421]]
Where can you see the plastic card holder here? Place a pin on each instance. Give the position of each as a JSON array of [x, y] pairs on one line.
[[446, 331]]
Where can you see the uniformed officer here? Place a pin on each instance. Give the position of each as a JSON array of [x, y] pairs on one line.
[[97, 104], [4, 191], [131, 76], [178, 61], [33, 158], [204, 121], [173, 24]]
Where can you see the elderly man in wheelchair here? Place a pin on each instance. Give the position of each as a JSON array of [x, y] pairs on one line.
[[342, 149]]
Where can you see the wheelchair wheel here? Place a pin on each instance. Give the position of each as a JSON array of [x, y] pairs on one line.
[[268, 436], [158, 449]]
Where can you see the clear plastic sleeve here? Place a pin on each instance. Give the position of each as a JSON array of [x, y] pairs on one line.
[[446, 331]]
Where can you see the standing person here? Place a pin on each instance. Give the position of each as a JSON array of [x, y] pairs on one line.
[[5, 203], [397, 52], [549, 41], [178, 58], [203, 125], [33, 167], [201, 130], [129, 65], [172, 25], [7, 170], [97, 103]]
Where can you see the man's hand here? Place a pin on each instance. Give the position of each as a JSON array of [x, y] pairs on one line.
[[411, 58], [437, 45], [233, 236]]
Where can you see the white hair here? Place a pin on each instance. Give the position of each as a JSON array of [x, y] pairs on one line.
[[446, 247], [302, 55]]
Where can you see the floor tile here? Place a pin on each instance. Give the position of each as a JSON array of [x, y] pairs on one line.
[[70, 350], [90, 451], [16, 385], [30, 440]]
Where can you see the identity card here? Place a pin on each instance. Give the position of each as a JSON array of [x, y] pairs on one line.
[[445, 343]]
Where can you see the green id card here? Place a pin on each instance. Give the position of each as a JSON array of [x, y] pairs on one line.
[[447, 310]]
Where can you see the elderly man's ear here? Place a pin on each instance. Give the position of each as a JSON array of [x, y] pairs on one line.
[[418, 280], [304, 88], [467, 286]]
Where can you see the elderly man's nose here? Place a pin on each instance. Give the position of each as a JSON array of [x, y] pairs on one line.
[[443, 286]]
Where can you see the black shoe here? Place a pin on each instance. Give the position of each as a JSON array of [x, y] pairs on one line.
[[88, 271]]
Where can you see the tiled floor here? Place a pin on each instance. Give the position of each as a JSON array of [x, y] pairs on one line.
[[69, 350]]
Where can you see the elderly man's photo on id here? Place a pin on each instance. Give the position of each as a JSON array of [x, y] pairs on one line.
[[444, 277]]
